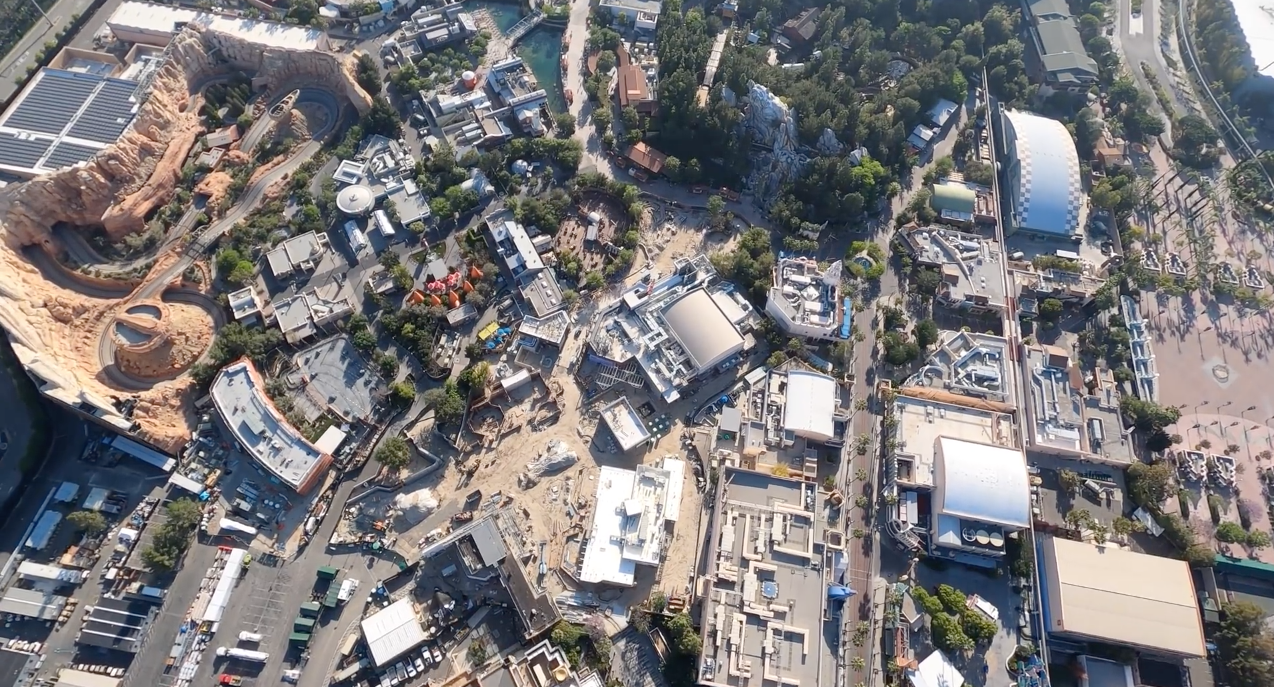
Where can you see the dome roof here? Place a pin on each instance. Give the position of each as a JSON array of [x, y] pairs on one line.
[[355, 200], [1048, 186]]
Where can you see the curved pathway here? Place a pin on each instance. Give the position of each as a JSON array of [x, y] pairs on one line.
[[161, 285]]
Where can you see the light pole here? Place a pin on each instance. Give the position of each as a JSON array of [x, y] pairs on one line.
[[42, 14]]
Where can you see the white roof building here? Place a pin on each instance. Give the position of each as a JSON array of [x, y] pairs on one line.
[[811, 405], [936, 671], [152, 24], [38, 571], [516, 247], [301, 252], [331, 440], [703, 330], [392, 632], [1044, 187], [244, 303], [625, 424], [982, 494], [805, 301], [238, 393], [630, 524], [982, 482]]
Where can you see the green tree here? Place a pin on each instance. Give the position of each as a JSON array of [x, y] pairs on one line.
[[367, 74], [1245, 645], [394, 453], [402, 394], [1258, 539], [564, 123], [1149, 484], [926, 333], [477, 651], [1070, 480], [1231, 533], [381, 119], [1050, 309], [447, 403], [88, 521]]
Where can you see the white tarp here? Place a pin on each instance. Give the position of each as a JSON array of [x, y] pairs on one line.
[[186, 483], [96, 498], [67, 491], [230, 573], [43, 530], [556, 458], [236, 526]]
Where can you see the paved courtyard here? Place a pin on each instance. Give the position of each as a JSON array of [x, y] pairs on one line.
[[1210, 354]]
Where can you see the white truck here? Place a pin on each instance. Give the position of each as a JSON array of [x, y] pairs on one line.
[[243, 654], [254, 637]]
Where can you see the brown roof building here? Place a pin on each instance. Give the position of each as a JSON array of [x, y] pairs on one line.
[[647, 158], [801, 28], [634, 90]]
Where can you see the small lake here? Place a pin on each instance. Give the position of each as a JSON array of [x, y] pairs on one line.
[[541, 49]]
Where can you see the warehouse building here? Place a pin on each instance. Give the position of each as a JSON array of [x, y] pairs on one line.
[[151, 24], [1112, 596], [117, 624]]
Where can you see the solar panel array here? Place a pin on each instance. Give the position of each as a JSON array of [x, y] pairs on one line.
[[19, 152], [51, 104], [66, 154], [82, 106], [108, 114]]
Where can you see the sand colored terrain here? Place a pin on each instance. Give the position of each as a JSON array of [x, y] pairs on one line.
[[56, 324], [176, 343]]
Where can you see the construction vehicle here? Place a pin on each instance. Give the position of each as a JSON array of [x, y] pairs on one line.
[[230, 679], [462, 516]]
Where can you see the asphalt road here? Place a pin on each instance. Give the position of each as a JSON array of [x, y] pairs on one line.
[[1137, 37], [16, 62]]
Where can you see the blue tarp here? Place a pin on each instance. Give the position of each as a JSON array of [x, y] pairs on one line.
[[839, 593], [848, 321]]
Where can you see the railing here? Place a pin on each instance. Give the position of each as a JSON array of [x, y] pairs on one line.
[[524, 27], [1183, 36]]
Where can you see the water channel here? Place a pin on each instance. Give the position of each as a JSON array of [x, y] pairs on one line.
[[541, 49]]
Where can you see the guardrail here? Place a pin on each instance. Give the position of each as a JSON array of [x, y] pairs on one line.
[[1187, 45]]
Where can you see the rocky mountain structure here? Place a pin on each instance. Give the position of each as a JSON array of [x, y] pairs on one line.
[[56, 319]]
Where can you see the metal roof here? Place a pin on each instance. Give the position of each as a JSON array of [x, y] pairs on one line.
[[1044, 176], [32, 604], [811, 405], [1120, 597], [702, 329], [392, 632], [955, 198], [117, 624], [983, 482], [486, 536]]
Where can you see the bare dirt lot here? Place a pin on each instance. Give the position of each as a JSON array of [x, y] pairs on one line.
[[572, 236]]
